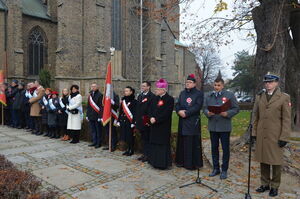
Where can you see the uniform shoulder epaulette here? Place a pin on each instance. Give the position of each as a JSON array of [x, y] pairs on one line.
[[286, 94]]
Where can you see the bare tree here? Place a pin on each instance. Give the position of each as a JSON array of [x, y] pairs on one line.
[[209, 62]]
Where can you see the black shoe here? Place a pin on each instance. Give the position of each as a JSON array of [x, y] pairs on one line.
[[273, 192], [130, 153], [214, 173], [223, 175], [90, 145], [47, 134], [105, 148], [141, 158], [74, 141], [262, 189], [125, 153], [145, 159], [39, 133], [97, 146]]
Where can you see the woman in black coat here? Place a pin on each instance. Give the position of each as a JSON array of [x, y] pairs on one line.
[[127, 119], [63, 116], [52, 109], [44, 103], [161, 122]]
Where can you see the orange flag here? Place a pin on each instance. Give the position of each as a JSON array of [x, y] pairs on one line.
[[2, 91], [108, 96]]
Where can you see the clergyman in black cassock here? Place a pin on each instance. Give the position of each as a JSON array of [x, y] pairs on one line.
[[189, 150], [161, 122]]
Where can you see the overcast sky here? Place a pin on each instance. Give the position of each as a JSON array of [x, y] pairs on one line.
[[204, 9]]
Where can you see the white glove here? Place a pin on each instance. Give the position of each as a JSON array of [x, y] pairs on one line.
[[99, 120], [87, 118], [132, 125], [118, 124]]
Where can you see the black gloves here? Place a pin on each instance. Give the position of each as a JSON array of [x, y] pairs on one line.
[[282, 143]]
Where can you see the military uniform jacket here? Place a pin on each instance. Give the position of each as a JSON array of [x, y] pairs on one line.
[[143, 106], [218, 123], [161, 110], [271, 123], [91, 113], [191, 101]]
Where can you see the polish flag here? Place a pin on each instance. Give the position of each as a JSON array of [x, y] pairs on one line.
[[108, 96], [2, 90]]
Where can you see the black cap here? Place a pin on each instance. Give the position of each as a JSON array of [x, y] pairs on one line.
[[191, 77]]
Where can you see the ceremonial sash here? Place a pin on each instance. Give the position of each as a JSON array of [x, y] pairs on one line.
[[62, 105], [51, 105], [28, 94], [115, 114], [34, 94], [127, 111], [45, 101], [94, 105]]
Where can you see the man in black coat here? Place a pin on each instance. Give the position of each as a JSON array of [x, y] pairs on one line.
[[11, 98], [161, 123], [188, 151], [18, 107], [142, 117], [94, 114]]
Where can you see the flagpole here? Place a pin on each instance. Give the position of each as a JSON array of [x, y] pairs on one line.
[[112, 51], [2, 114]]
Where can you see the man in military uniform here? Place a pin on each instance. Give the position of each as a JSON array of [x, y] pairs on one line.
[[219, 125], [271, 130], [188, 151], [142, 117]]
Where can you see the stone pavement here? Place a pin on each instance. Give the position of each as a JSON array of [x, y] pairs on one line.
[[78, 171]]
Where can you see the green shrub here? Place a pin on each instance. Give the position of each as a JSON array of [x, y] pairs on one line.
[[45, 78]]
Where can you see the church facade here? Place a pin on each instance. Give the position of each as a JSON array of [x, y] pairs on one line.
[[71, 39]]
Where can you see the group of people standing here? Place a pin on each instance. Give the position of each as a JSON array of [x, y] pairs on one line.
[[43, 111]]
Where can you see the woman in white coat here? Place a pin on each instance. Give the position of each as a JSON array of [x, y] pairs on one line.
[[75, 114]]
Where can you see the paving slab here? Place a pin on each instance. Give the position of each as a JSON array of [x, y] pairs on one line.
[[18, 159], [44, 154], [130, 186], [62, 176], [107, 165]]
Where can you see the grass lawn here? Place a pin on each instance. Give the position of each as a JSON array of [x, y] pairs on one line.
[[239, 123]]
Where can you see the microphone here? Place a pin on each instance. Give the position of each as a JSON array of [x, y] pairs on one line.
[[261, 91]]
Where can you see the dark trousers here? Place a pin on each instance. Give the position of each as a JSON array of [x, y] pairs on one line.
[[15, 118], [265, 170], [37, 123], [145, 133], [30, 122], [114, 136], [7, 116], [22, 118], [96, 131], [224, 137]]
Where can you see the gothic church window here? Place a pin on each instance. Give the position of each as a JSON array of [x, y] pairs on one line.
[[37, 51], [116, 24]]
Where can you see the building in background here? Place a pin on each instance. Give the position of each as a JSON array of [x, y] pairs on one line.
[[71, 39]]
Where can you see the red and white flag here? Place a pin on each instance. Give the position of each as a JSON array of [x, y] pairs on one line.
[[108, 96], [2, 89]]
